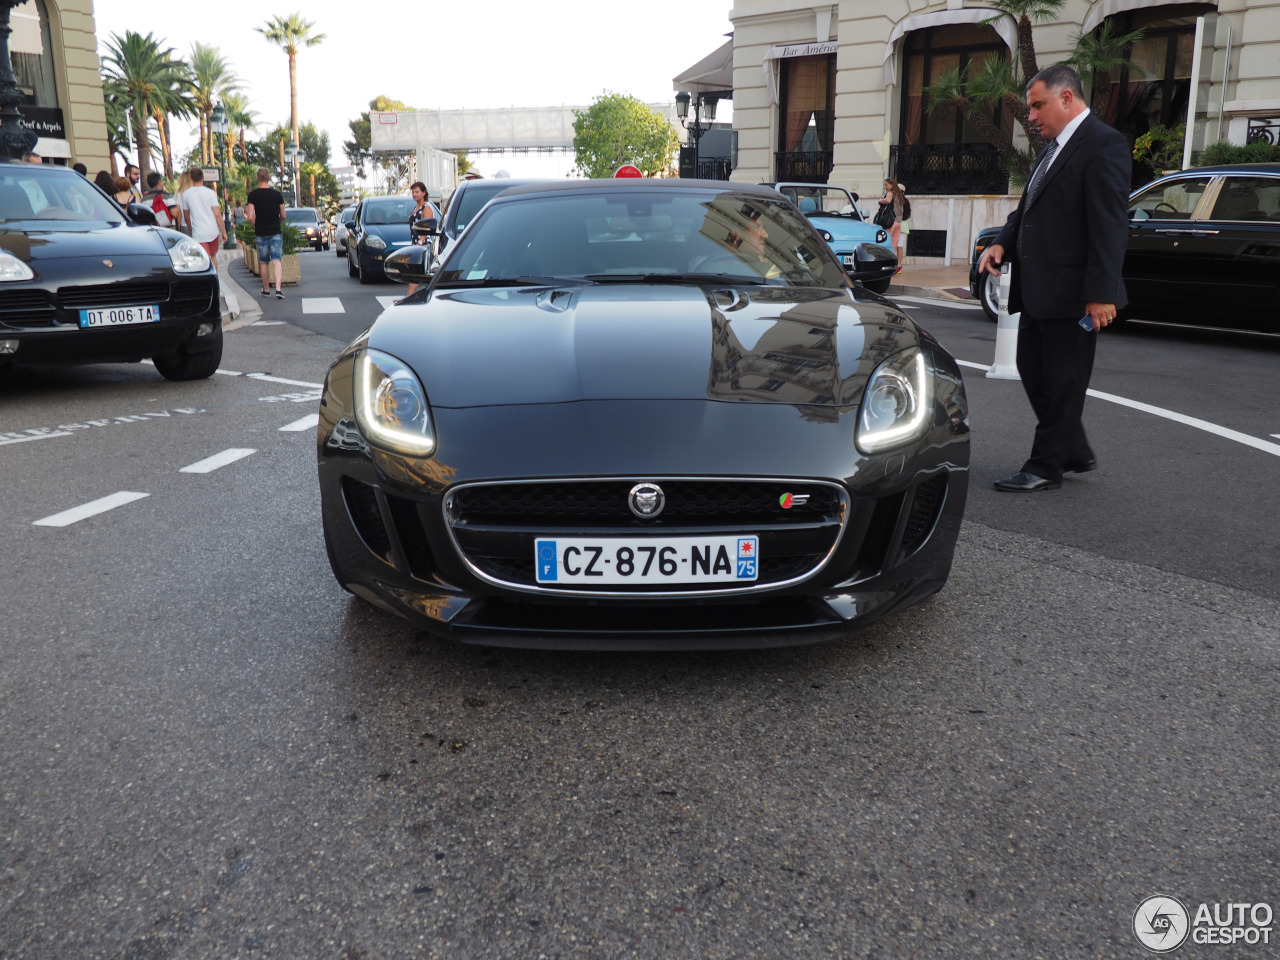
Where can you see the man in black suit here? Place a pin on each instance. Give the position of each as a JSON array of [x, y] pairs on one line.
[[1067, 242]]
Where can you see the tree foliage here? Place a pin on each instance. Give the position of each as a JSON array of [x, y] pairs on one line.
[[618, 129], [290, 34], [136, 71], [358, 148]]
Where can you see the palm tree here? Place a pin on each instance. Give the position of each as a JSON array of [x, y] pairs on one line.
[[290, 33], [1102, 54], [174, 101], [211, 79], [139, 70], [1023, 13], [116, 104], [239, 118]]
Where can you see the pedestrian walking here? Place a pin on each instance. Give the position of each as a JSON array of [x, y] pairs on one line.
[[184, 184], [264, 208], [890, 215], [161, 204], [1067, 242], [200, 205], [81, 169], [904, 229], [133, 175], [105, 182], [424, 210], [122, 191]]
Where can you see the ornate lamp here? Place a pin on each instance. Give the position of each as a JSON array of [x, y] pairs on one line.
[[15, 142]]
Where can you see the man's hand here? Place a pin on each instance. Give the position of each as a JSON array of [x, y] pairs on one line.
[[992, 257], [1102, 314]]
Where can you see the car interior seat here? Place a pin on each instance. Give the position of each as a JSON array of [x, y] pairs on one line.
[[808, 205], [1238, 204], [14, 203]]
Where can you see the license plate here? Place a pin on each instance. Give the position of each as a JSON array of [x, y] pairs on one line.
[[119, 316], [847, 261], [616, 560]]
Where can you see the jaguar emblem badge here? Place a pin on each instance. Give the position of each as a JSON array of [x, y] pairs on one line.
[[646, 500], [108, 264]]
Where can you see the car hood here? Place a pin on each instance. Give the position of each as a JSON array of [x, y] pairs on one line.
[[492, 347], [845, 228], [33, 241]]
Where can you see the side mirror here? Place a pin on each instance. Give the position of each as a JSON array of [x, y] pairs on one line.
[[141, 214], [408, 265], [424, 228]]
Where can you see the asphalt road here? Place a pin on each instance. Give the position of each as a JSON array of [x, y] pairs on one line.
[[208, 749]]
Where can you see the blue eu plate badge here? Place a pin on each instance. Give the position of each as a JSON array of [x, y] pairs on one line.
[[547, 564]]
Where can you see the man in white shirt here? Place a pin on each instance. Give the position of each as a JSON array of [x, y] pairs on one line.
[[204, 213]]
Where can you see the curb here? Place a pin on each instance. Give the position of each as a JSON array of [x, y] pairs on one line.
[[239, 309]]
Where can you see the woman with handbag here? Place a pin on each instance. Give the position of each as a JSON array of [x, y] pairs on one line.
[[889, 215]]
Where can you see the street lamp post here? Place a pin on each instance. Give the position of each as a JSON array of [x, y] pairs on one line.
[[15, 142], [219, 126], [704, 105], [291, 151]]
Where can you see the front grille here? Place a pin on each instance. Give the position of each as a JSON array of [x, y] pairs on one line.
[[495, 526], [408, 524], [192, 297], [92, 296], [924, 513], [26, 308], [589, 503], [362, 505]]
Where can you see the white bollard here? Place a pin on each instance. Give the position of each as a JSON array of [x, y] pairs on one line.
[[1005, 366]]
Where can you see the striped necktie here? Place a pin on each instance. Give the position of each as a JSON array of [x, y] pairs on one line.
[[1033, 187]]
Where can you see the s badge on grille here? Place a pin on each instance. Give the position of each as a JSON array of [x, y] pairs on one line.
[[646, 500], [789, 500]]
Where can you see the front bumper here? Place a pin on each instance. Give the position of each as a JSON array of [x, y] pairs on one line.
[[392, 532]]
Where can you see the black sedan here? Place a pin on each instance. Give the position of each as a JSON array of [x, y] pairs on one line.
[[638, 414], [310, 226], [1204, 248], [80, 282], [466, 201], [379, 228]]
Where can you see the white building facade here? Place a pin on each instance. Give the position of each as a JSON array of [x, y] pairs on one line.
[[834, 92]]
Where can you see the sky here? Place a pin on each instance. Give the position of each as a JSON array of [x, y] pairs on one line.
[[435, 55]]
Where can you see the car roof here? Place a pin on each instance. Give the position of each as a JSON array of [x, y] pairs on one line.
[[640, 183], [1225, 168]]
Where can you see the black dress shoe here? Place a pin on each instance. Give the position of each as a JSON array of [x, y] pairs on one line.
[[1024, 482], [1080, 466]]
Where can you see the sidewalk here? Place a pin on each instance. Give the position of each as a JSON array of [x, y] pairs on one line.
[[936, 283], [238, 308]]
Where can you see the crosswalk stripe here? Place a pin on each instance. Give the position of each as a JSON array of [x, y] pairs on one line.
[[91, 509], [322, 305], [309, 422], [210, 464]]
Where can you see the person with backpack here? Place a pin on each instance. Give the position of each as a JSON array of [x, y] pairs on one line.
[[889, 215], [161, 204]]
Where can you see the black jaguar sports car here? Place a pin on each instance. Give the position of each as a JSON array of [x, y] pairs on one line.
[[641, 414], [83, 281]]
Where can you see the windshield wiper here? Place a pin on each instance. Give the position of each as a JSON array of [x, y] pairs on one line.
[[699, 279], [505, 282]]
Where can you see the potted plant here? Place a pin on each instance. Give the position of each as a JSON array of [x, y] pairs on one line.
[[291, 270], [248, 243]]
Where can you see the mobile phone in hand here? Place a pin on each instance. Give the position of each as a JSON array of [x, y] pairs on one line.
[[1086, 322]]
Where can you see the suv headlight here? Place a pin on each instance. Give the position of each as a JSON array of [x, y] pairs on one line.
[[391, 406], [895, 406], [11, 268], [187, 256], [374, 242]]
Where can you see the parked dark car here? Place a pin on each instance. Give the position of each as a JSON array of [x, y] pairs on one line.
[[82, 281], [638, 414], [1204, 248], [862, 247], [468, 200], [380, 227], [310, 224]]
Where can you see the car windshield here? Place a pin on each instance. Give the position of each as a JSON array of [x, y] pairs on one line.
[[28, 192], [347, 215], [300, 215], [646, 236], [389, 211], [818, 201], [475, 196]]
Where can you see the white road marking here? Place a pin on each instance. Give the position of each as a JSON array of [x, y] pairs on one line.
[[1224, 432], [37, 434], [67, 517], [268, 323], [229, 373], [387, 301], [322, 305], [210, 464], [309, 422], [949, 304], [292, 383]]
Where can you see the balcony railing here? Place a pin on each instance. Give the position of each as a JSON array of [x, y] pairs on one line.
[[1263, 130], [946, 168], [714, 168], [813, 167]]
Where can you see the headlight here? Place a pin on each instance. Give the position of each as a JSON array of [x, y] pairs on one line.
[[391, 406], [311, 229], [825, 236], [374, 242], [882, 236], [188, 256], [11, 268], [895, 407]]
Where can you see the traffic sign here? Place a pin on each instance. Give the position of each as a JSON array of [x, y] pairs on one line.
[[627, 170]]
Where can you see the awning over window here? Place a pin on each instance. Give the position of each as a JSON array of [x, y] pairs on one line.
[[784, 51], [52, 147], [1107, 8], [1005, 26], [712, 74]]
